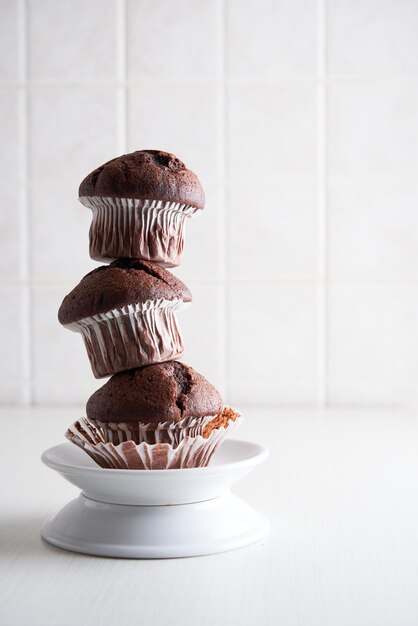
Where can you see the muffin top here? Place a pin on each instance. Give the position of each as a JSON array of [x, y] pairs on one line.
[[145, 174], [125, 281], [157, 393]]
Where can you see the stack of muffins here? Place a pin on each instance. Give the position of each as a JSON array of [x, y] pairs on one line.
[[154, 412]]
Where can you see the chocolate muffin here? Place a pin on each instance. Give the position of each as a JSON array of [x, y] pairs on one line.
[[164, 415], [140, 202], [166, 392], [125, 312]]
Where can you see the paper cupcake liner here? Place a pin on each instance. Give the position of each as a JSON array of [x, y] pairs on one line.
[[131, 336], [164, 432], [130, 228], [189, 452]]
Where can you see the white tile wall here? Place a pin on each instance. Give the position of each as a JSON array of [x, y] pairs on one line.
[[271, 129], [373, 230], [201, 328], [267, 40], [11, 376], [373, 333], [72, 41], [52, 239], [373, 36], [300, 119], [9, 41], [273, 343], [9, 183], [60, 368], [174, 41], [256, 251], [373, 129], [182, 117], [68, 130]]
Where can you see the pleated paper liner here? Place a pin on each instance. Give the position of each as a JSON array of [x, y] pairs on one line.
[[189, 451], [132, 336], [131, 228]]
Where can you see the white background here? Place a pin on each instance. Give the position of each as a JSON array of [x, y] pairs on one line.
[[300, 118]]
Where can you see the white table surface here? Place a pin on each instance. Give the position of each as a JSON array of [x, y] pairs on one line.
[[340, 489]]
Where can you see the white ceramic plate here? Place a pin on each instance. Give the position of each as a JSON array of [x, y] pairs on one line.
[[130, 513], [156, 487]]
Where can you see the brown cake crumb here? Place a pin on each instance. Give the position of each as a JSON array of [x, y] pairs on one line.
[[228, 414]]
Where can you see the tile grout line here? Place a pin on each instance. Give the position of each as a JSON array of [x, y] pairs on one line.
[[322, 206], [25, 276], [122, 115], [68, 283], [223, 222], [358, 79]]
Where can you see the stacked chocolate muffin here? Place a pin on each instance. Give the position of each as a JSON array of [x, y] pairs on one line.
[[154, 412]]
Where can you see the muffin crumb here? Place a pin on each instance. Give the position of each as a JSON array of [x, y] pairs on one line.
[[222, 420]]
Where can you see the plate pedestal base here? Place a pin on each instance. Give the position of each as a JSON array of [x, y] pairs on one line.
[[155, 514], [118, 530]]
